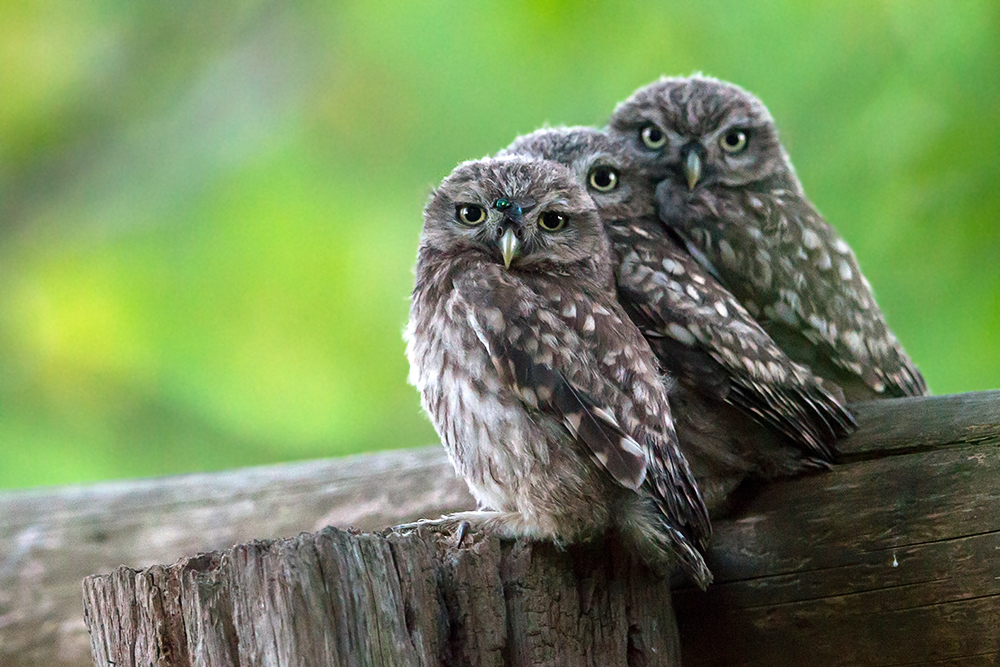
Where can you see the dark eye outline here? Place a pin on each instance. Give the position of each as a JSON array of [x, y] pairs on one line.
[[654, 144], [612, 178], [743, 139], [463, 211], [545, 218]]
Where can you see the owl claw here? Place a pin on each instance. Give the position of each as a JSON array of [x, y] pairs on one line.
[[460, 533], [459, 528]]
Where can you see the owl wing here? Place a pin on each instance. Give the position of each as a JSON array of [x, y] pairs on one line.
[[821, 283], [532, 354], [544, 351], [673, 298], [792, 271]]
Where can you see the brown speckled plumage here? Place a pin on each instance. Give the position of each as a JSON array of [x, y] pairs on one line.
[[547, 398], [742, 212], [742, 407]]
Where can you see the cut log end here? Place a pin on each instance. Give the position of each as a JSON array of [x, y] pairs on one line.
[[338, 597]]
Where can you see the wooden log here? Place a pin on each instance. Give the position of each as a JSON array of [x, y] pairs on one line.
[[890, 559], [50, 539], [338, 598]]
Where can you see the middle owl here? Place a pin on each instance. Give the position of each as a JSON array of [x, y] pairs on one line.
[[743, 409]]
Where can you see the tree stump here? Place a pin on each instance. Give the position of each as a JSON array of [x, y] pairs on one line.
[[891, 558], [340, 598]]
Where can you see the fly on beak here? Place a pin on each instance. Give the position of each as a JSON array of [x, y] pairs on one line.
[[692, 169]]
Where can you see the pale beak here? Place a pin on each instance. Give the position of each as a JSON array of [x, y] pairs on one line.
[[692, 169], [509, 245]]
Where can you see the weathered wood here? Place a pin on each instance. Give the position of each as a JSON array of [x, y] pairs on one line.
[[336, 598], [889, 561], [920, 423], [50, 539]]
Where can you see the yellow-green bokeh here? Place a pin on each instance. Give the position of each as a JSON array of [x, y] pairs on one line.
[[209, 213]]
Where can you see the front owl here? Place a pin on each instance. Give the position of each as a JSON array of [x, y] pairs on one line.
[[546, 397]]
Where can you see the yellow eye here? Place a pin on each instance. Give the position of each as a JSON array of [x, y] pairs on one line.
[[551, 221], [733, 141], [603, 179], [470, 214], [653, 137]]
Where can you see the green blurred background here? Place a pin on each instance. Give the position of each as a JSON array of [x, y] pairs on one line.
[[209, 212]]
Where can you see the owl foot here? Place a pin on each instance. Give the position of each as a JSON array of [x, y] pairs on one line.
[[451, 523]]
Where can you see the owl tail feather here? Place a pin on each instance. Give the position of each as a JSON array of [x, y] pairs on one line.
[[662, 547]]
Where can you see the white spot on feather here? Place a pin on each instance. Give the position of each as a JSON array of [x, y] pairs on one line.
[[680, 334], [673, 267], [728, 256], [810, 239], [573, 422], [845, 270]]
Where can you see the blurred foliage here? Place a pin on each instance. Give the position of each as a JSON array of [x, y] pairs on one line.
[[209, 212]]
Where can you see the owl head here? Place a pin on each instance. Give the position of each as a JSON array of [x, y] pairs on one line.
[[701, 132], [528, 214], [615, 180]]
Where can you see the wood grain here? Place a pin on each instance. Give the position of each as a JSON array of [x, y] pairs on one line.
[[337, 598], [50, 539], [891, 561], [913, 424]]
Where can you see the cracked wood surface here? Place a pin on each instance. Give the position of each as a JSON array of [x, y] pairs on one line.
[[339, 598], [51, 538], [882, 561]]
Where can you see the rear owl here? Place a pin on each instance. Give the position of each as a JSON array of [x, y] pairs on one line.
[[728, 188]]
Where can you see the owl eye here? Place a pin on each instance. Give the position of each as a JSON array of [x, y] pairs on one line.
[[733, 141], [551, 221], [470, 214], [653, 136], [603, 179]]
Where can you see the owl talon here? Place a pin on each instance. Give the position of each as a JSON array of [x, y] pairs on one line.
[[460, 532]]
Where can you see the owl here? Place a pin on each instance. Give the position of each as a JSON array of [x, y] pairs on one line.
[[742, 408], [728, 189], [547, 398]]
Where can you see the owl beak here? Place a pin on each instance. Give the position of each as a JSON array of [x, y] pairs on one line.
[[692, 169], [509, 246]]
